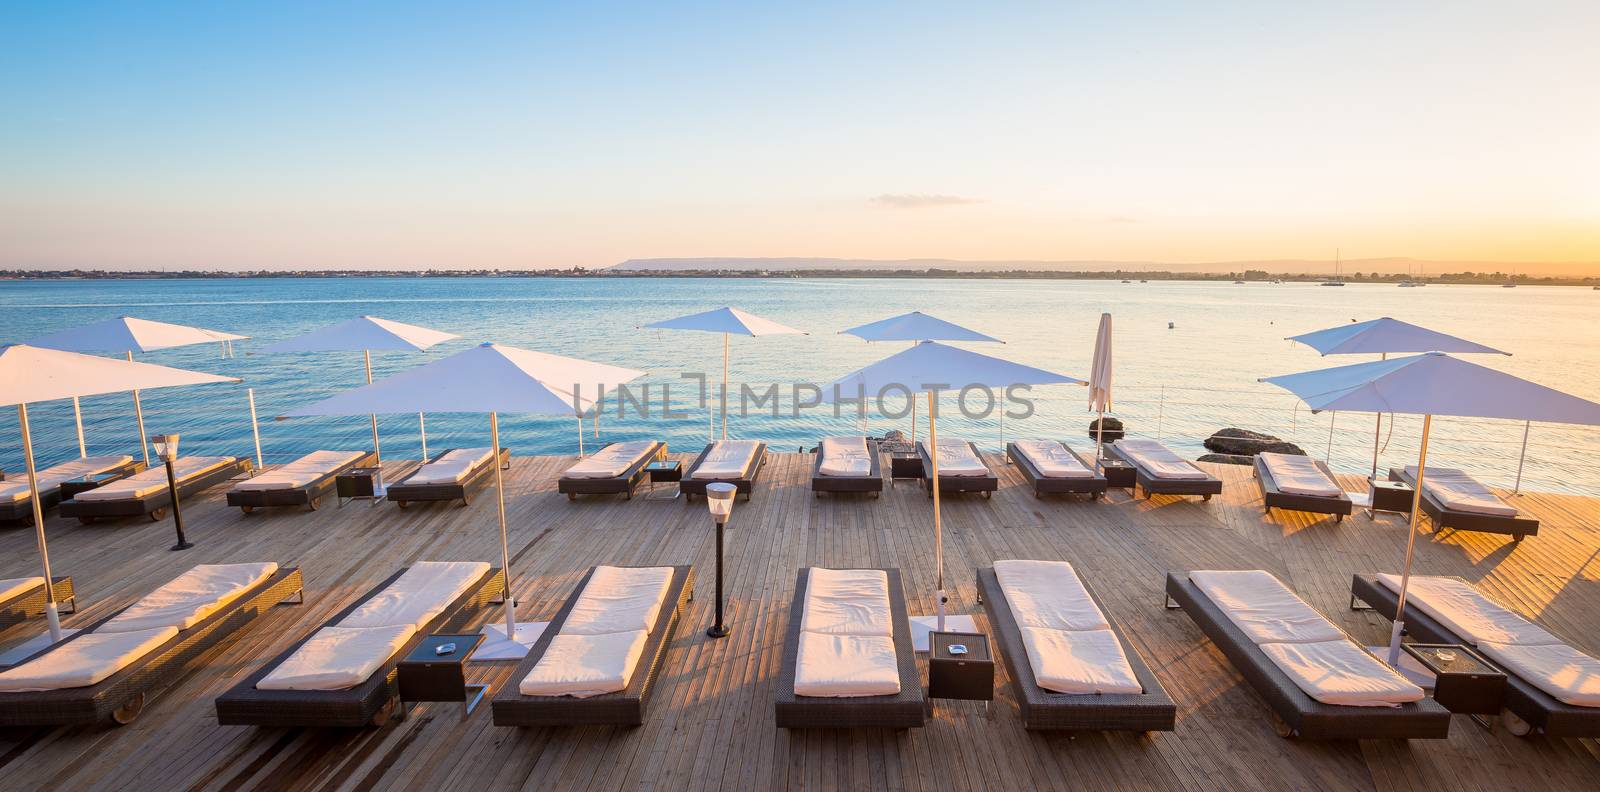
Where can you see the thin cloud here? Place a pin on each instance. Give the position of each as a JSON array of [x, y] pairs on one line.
[[1121, 219], [914, 201]]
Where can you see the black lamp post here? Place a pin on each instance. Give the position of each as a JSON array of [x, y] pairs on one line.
[[167, 448], [719, 499]]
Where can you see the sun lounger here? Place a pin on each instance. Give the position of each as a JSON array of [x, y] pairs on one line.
[[961, 469], [1299, 662], [22, 599], [855, 654], [15, 505], [337, 682], [449, 476], [1452, 499], [1055, 468], [114, 665], [597, 661], [1299, 483], [303, 482], [615, 469], [736, 462], [847, 464], [146, 493], [1072, 614], [1158, 471], [1545, 673]]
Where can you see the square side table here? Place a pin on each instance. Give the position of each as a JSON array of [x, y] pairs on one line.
[[1463, 681], [426, 675], [1391, 496], [359, 483], [904, 465], [1119, 473], [664, 470], [965, 675]]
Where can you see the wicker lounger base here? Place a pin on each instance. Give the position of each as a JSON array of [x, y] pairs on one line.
[[1152, 710], [1515, 527], [31, 604], [21, 511], [905, 710], [1273, 498], [1301, 715], [1094, 486], [955, 485], [625, 708], [623, 484], [1152, 485], [155, 504], [745, 484], [872, 482], [404, 494], [310, 495], [1534, 707], [122, 696]]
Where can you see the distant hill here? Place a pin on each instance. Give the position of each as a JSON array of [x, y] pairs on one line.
[[1286, 266]]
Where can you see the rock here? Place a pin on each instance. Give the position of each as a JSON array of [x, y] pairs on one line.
[[1226, 459], [1243, 442], [1114, 429]]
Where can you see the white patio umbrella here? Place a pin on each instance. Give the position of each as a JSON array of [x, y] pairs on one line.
[[30, 374], [916, 327], [489, 379], [364, 334], [931, 367], [1428, 385], [127, 335], [1100, 383], [728, 322]]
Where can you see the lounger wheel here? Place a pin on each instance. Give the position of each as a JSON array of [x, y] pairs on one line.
[[1205, 497], [401, 504], [129, 711], [384, 713], [157, 515], [1515, 724], [246, 509], [877, 494], [315, 502], [1284, 730], [83, 520], [572, 496], [987, 494], [1338, 518]]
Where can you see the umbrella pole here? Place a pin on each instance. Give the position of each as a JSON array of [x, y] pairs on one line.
[[1517, 490], [138, 417], [724, 387], [1377, 438], [255, 428], [1333, 418], [51, 614], [77, 415], [505, 545], [938, 529], [422, 426], [1099, 438], [913, 416], [1411, 544], [377, 455], [599, 408], [580, 435]]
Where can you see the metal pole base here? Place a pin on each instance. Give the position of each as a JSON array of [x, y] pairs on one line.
[[182, 546], [717, 631]]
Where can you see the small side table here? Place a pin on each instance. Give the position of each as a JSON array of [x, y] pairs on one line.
[[965, 675], [1119, 473], [904, 465], [1463, 682], [668, 471], [357, 483], [72, 488], [427, 675], [1391, 496]]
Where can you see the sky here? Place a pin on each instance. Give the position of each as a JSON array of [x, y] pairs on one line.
[[403, 135]]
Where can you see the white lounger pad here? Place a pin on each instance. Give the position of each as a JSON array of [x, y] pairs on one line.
[[418, 595], [1456, 490], [585, 665], [611, 461], [619, 599], [1048, 594], [1475, 618], [847, 602], [301, 472], [190, 597], [956, 458], [839, 666], [1339, 672], [1079, 661], [336, 658], [83, 661], [1299, 475], [1052, 459], [16, 488], [1567, 674], [1265, 609], [845, 456], [452, 467], [1158, 460], [12, 587], [727, 460], [154, 479]]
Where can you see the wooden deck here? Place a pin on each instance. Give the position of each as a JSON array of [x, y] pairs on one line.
[[710, 725]]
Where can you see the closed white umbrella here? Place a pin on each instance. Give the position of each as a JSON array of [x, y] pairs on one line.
[[1100, 383], [1429, 385], [364, 334], [30, 374], [127, 335], [728, 322], [916, 327]]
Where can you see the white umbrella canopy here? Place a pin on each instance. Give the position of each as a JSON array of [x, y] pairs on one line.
[[727, 321], [1100, 382], [30, 374], [916, 327], [1428, 385]]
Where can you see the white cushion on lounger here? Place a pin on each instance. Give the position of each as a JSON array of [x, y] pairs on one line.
[[1456, 490], [847, 602], [13, 587], [154, 479], [16, 488], [956, 458], [301, 472], [1567, 674], [336, 658], [1079, 661], [611, 461], [1475, 618], [190, 597], [1297, 474], [839, 666], [619, 599], [1048, 594], [1052, 459], [1265, 609], [83, 661], [1339, 672], [418, 595], [845, 456], [585, 665], [451, 467], [727, 460], [1158, 460]]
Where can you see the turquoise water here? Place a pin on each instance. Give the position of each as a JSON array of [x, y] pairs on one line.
[[1180, 384]]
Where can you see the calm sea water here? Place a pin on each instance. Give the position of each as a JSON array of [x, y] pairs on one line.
[[1179, 384]]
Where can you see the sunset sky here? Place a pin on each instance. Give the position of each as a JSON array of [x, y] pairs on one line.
[[518, 135]]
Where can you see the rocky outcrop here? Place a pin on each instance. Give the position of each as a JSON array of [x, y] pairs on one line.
[[1225, 459], [1243, 442], [1114, 430]]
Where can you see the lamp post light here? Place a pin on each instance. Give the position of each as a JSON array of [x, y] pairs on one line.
[[167, 448], [719, 499]]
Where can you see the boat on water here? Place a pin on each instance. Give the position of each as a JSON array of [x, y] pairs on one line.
[[1338, 274], [1508, 285], [1238, 281]]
